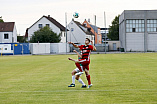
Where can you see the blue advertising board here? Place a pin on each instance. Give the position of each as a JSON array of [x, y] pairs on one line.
[[16, 48]]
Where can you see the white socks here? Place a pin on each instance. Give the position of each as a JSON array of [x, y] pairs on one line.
[[80, 81], [73, 79]]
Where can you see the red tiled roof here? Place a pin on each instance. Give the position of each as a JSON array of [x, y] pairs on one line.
[[6, 26], [62, 28]]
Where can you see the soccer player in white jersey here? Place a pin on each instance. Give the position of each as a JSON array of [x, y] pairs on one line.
[[76, 75]]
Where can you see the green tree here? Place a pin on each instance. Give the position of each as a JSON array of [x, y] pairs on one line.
[[114, 29], [1, 20], [21, 39], [45, 35]]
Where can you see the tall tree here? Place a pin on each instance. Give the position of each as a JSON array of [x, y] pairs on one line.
[[1, 20], [114, 29], [45, 35]]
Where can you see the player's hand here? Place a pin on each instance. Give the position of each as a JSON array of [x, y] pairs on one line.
[[75, 51], [70, 58], [70, 42]]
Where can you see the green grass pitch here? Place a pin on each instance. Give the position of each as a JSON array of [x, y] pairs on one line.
[[116, 78]]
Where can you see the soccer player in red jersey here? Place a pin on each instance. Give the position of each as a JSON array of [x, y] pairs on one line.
[[85, 60]]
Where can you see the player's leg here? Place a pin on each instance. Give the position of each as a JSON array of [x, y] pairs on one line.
[[77, 63], [80, 69], [88, 76], [79, 66], [73, 78], [80, 81], [82, 62]]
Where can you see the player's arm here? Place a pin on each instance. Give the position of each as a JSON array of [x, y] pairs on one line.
[[94, 48], [77, 53], [76, 61], [76, 46]]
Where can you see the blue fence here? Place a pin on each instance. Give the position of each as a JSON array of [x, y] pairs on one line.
[[14, 48]]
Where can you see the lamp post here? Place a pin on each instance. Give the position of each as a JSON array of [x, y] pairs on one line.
[[66, 30], [105, 30], [94, 29]]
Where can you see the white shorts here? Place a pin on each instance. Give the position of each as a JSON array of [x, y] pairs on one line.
[[77, 70]]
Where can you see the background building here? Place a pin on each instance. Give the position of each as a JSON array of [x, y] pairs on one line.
[[8, 32], [47, 21], [95, 30], [138, 30], [78, 33], [104, 33]]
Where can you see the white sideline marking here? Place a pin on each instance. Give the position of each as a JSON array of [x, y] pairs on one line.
[[80, 90]]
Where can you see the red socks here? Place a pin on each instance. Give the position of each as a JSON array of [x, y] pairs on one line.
[[88, 78]]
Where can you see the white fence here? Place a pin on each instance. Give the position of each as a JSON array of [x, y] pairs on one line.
[[59, 48], [47, 48], [40, 48]]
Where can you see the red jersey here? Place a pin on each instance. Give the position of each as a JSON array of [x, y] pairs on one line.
[[86, 50]]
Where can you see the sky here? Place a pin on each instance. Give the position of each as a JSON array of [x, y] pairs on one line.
[[26, 12]]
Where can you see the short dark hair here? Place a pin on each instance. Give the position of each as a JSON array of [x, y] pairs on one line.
[[88, 39]]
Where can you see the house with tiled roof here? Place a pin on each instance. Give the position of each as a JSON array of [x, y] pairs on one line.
[[95, 30], [8, 32], [78, 33], [46, 21]]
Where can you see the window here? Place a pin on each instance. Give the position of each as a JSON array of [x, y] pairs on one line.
[[133, 30], [136, 25], [6, 36], [72, 29], [40, 25], [85, 24], [48, 25], [152, 25], [92, 38]]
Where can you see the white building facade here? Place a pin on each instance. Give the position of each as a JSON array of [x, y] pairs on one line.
[[47, 21], [8, 32], [138, 30], [78, 33]]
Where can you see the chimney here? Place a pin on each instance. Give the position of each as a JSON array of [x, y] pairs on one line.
[[48, 15], [88, 20]]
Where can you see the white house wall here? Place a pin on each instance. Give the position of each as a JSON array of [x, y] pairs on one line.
[[152, 42], [77, 35], [14, 35], [135, 42], [42, 21], [9, 40]]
